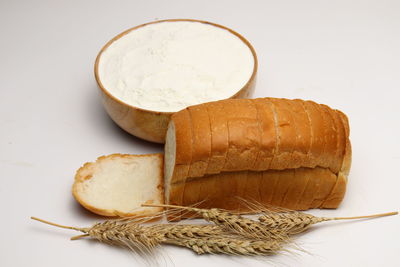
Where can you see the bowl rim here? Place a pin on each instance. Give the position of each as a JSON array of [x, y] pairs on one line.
[[106, 92]]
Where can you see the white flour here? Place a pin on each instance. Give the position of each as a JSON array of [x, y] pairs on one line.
[[170, 65]]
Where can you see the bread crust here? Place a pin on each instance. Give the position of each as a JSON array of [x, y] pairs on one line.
[[268, 184], [303, 133], [268, 136], [252, 190], [183, 156], [326, 182], [285, 179], [299, 189], [243, 135], [183, 141], [318, 132], [261, 134], [337, 194], [286, 136], [307, 196], [201, 140], [346, 163], [86, 172], [219, 137], [295, 190]]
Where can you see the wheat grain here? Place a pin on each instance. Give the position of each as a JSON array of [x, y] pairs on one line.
[[230, 246], [290, 223], [188, 230]]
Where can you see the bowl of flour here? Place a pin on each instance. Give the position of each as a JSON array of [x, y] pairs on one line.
[[148, 72]]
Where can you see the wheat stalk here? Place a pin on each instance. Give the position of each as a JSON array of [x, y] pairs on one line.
[[232, 222], [114, 232], [144, 239]]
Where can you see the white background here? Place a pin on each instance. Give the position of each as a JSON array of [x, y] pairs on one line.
[[342, 53]]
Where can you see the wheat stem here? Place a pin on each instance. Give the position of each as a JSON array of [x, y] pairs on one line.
[[367, 216], [165, 206], [79, 236], [84, 230]]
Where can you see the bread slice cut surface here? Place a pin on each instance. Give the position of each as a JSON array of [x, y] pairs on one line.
[[117, 185]]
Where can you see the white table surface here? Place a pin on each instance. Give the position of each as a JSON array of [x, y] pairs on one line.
[[342, 53]]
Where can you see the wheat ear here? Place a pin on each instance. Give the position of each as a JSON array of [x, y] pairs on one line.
[[296, 222], [107, 230], [180, 231], [230, 246], [114, 232], [144, 239], [231, 222]]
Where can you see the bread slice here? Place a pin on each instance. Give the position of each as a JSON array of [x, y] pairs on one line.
[[201, 140], [243, 135], [303, 133], [268, 137], [117, 185], [219, 140]]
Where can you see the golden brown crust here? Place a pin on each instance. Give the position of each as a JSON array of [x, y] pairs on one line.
[[337, 194], [183, 155], [183, 145], [243, 134], [85, 172], [201, 136], [341, 140], [283, 158], [228, 186], [252, 189], [307, 197], [183, 137], [318, 132], [303, 133], [295, 190], [268, 184], [223, 189], [345, 168], [191, 192], [331, 139], [242, 178], [285, 180], [325, 184], [263, 134], [298, 189], [303, 175], [219, 137], [176, 193], [268, 136]]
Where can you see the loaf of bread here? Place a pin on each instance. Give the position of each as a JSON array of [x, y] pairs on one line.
[[290, 153], [117, 185]]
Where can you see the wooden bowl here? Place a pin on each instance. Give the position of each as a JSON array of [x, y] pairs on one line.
[[148, 124]]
